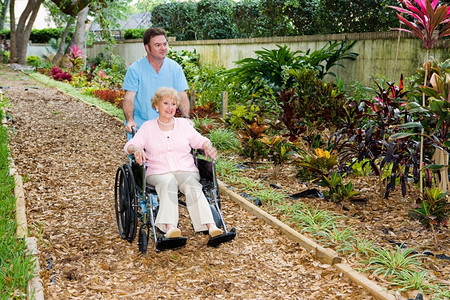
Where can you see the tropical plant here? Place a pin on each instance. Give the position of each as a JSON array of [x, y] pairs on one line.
[[431, 21], [34, 61], [311, 105], [393, 262], [273, 65], [76, 57], [280, 150], [329, 56], [337, 190], [268, 65], [434, 209], [314, 167]]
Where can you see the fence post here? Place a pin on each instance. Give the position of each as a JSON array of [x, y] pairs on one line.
[[224, 104], [192, 99]]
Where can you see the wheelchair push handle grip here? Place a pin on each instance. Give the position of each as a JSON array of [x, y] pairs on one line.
[[133, 130]]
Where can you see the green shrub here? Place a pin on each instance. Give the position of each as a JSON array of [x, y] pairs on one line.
[[134, 33], [34, 61]]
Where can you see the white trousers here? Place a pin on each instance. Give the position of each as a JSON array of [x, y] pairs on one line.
[[167, 185]]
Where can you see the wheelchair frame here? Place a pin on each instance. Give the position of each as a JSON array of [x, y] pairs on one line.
[[137, 204]]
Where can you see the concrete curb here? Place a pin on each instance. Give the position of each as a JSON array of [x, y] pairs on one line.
[[324, 255]]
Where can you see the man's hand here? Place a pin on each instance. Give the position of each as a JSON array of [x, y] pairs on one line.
[[130, 125]]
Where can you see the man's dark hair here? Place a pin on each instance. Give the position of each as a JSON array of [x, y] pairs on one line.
[[152, 32]]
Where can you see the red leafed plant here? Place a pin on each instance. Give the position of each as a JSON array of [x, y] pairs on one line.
[[431, 20], [59, 74], [113, 96]]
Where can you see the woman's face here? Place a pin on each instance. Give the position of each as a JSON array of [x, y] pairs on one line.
[[167, 107]]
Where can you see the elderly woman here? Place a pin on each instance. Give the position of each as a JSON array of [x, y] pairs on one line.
[[165, 145]]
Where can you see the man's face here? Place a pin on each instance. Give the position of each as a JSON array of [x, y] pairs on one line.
[[157, 47]]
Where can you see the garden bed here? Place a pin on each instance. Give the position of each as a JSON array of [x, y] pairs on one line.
[[67, 153]]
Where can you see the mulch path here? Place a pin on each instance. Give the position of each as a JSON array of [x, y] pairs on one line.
[[68, 153]]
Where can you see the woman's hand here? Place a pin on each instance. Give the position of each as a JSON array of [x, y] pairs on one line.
[[139, 154], [210, 151]]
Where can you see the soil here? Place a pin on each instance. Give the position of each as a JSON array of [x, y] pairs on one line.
[[68, 153]]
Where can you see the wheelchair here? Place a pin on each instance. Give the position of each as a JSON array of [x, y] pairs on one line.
[[136, 206]]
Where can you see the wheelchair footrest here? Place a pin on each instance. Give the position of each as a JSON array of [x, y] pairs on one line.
[[172, 243], [223, 238]]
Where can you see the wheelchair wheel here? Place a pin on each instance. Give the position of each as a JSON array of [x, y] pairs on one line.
[[143, 238], [125, 203]]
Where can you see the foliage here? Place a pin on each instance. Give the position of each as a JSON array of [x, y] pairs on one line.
[[434, 208], [433, 116], [280, 150], [389, 262], [313, 220], [279, 69], [361, 168], [59, 74], [268, 65], [431, 20], [188, 60], [208, 19], [329, 56], [213, 19], [76, 57], [339, 16], [224, 139], [179, 19], [413, 280], [311, 104], [314, 167], [113, 96], [34, 61], [134, 33], [16, 265], [337, 190]]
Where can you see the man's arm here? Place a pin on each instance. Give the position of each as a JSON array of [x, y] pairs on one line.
[[128, 109], [184, 104]]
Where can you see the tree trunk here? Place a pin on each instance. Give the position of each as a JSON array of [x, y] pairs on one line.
[[12, 39], [80, 31], [61, 49], [22, 50], [5, 6]]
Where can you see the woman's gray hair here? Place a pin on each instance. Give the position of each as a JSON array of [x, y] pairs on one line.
[[165, 92]]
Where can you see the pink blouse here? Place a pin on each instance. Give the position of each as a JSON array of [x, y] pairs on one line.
[[168, 151]]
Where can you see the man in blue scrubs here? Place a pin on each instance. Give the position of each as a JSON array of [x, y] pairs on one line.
[[146, 75]]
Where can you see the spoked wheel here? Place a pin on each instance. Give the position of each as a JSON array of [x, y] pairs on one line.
[[143, 238], [125, 203]]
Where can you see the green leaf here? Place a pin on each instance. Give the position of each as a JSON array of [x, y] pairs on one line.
[[411, 125], [401, 135], [434, 167]]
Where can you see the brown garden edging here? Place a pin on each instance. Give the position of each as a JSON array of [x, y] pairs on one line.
[[324, 255]]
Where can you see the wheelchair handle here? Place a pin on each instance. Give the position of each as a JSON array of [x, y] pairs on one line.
[[133, 130]]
